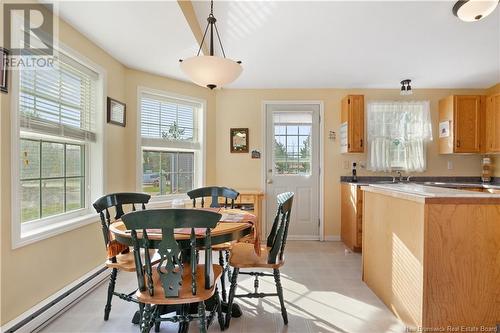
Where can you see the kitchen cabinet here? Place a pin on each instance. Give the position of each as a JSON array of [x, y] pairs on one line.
[[352, 119], [465, 115], [351, 216], [493, 124]]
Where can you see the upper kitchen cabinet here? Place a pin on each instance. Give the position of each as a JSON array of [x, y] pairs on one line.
[[461, 124], [352, 119], [493, 124]]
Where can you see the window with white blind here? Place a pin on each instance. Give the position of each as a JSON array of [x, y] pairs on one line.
[[58, 155], [171, 145]]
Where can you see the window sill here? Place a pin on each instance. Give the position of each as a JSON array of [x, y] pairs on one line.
[[165, 201], [50, 230]]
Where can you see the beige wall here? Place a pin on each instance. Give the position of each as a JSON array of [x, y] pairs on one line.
[[243, 108]]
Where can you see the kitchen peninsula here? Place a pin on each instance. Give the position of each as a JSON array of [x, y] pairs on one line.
[[433, 254]]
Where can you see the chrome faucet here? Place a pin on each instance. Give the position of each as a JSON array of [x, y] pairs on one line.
[[397, 179]]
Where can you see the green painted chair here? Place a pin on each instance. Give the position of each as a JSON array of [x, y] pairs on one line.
[[272, 257], [177, 279], [119, 256], [215, 193]]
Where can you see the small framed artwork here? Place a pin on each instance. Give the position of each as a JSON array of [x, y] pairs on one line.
[[239, 140], [255, 154], [116, 112], [4, 53]]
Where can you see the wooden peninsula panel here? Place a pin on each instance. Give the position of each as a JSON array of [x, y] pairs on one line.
[[434, 261]]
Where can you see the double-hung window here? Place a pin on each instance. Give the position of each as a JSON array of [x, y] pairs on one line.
[[57, 115], [171, 144], [397, 135]]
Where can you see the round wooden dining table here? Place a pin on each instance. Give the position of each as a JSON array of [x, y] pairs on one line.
[[234, 225]]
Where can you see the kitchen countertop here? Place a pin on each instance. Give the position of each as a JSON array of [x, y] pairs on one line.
[[432, 194], [443, 182]]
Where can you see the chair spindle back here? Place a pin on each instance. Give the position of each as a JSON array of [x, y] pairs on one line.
[[170, 268], [279, 231], [215, 192], [117, 200]]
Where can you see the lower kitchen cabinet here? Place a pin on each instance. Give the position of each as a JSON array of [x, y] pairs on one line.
[[351, 216]]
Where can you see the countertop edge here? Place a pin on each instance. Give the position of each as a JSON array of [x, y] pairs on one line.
[[473, 200]]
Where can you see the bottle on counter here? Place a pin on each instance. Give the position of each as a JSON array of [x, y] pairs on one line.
[[354, 174], [487, 169]]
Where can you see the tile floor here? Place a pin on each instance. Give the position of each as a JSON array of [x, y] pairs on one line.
[[323, 293]]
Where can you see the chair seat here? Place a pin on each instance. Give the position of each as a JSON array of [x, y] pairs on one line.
[[243, 256], [185, 294], [223, 247], [125, 262]]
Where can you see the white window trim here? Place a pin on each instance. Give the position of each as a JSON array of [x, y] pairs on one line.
[[200, 155], [31, 232]]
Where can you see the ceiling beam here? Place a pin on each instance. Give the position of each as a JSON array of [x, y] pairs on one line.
[[188, 11]]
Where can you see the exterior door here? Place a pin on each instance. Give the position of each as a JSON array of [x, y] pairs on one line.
[[292, 165]]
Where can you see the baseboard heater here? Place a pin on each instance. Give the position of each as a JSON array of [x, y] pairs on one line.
[[40, 315]]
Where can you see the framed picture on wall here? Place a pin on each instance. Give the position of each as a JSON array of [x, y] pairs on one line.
[[4, 53], [239, 140], [116, 112]]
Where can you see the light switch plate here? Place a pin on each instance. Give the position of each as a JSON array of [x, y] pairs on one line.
[[450, 165]]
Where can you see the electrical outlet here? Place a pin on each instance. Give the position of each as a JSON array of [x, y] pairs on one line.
[[450, 165]]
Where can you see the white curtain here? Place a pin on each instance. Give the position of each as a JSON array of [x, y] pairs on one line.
[[397, 135]]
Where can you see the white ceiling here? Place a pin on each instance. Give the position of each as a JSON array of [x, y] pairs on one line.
[[304, 44]]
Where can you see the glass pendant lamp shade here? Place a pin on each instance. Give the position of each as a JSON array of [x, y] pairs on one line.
[[474, 10], [211, 71]]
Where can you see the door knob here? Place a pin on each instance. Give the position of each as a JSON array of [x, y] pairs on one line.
[[269, 181], [270, 170]]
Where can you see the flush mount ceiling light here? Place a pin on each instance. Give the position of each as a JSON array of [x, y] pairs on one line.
[[474, 10], [211, 71], [406, 88]]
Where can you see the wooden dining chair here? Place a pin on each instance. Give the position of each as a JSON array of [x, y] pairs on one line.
[[215, 193], [119, 256], [242, 255], [173, 281]]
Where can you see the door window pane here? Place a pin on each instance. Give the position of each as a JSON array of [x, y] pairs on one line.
[[292, 143]]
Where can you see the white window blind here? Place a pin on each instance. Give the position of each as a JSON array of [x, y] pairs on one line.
[[397, 135], [168, 122], [59, 101]]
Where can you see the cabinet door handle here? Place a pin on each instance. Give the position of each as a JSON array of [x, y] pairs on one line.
[[458, 143], [361, 143]]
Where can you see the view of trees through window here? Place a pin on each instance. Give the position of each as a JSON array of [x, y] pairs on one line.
[[52, 178], [292, 149], [167, 172]]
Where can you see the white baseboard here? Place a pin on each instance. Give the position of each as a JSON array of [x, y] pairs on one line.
[[303, 238], [334, 238], [60, 305]]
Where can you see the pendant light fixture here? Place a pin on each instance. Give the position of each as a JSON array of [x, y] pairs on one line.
[[474, 10], [210, 70], [406, 88]]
